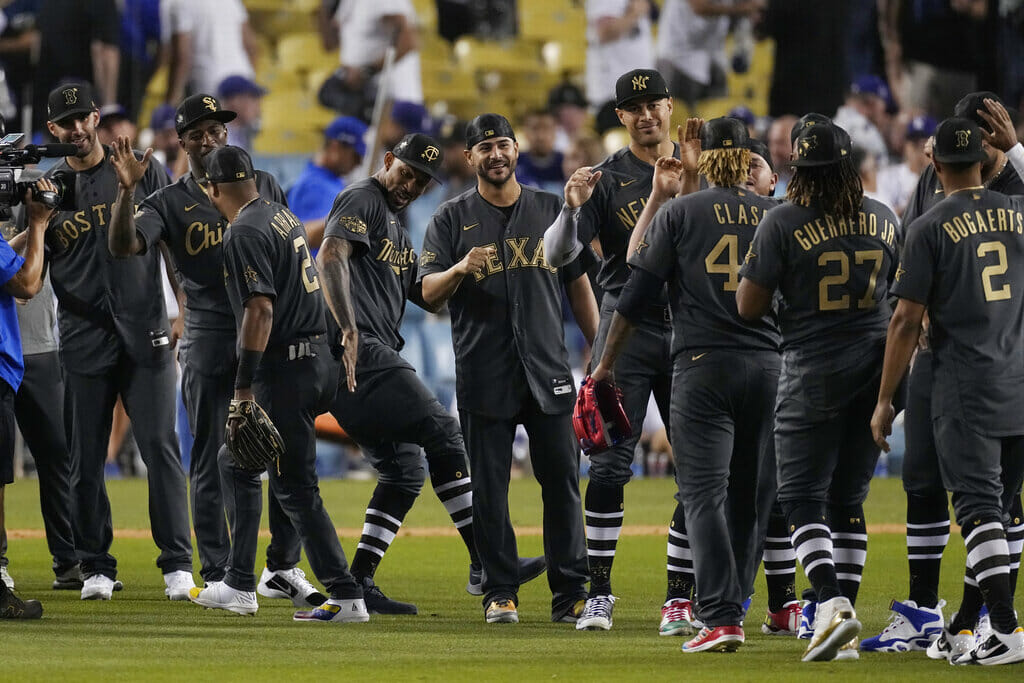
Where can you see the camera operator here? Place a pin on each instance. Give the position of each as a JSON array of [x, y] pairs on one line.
[[21, 276]]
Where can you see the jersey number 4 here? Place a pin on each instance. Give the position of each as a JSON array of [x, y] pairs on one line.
[[310, 283], [998, 268], [730, 246], [874, 257]]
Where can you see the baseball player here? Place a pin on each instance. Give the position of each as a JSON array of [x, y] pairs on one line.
[[484, 254], [114, 341], [605, 202], [391, 414], [917, 621], [284, 364], [725, 371], [964, 261], [830, 253], [182, 217]]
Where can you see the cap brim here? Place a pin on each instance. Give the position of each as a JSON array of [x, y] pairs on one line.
[[72, 112], [224, 116], [645, 96], [961, 158], [420, 166], [810, 163]]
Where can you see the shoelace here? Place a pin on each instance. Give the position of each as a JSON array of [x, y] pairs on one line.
[[678, 612], [297, 578], [896, 621], [598, 606]]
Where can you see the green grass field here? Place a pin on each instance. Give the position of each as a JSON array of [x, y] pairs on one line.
[[140, 635]]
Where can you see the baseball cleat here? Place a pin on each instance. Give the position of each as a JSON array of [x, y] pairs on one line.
[[97, 587], [571, 613], [806, 628], [178, 584], [597, 614], [715, 639], [70, 579], [910, 628], [529, 569], [835, 626], [378, 603], [949, 645], [784, 622], [677, 618], [13, 607], [998, 648], [289, 584], [336, 611], [502, 611], [848, 652], [219, 595]]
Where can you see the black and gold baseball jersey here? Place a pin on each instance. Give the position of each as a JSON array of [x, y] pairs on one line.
[[506, 321], [107, 305], [929, 192], [613, 210], [184, 218], [833, 273], [964, 260], [696, 243], [383, 263], [266, 253]]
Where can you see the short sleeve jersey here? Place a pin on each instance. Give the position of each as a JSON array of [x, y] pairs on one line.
[[696, 243], [383, 261], [833, 272], [266, 254], [612, 211], [929, 192], [183, 217], [12, 364], [507, 320], [102, 297], [964, 260]]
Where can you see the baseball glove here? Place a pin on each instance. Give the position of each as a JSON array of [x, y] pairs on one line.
[[252, 439], [598, 418]]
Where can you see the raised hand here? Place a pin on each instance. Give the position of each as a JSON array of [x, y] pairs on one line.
[[668, 178], [580, 186], [689, 143], [129, 169], [1003, 135]]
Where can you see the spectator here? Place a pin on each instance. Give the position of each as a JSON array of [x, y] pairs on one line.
[[618, 40], [166, 148], [18, 41], [140, 52], [864, 115], [365, 30], [896, 183], [405, 118], [747, 117], [541, 164], [569, 106], [691, 45], [312, 195], [115, 122], [867, 167], [585, 151], [781, 150], [243, 96], [207, 42], [78, 41]]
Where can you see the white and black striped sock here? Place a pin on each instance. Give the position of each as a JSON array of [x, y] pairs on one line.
[[813, 545], [988, 556], [849, 547], [602, 529]]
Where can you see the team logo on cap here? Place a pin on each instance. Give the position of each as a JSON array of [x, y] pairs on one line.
[[640, 82], [431, 153], [240, 175], [353, 224], [70, 96], [727, 142], [210, 103], [963, 138], [808, 143], [488, 133]]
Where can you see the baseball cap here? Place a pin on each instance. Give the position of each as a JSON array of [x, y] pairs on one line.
[[487, 126], [811, 119], [723, 133], [228, 164], [162, 118], [761, 149], [240, 85], [348, 130], [639, 83], [743, 114], [199, 107], [420, 151], [920, 128], [958, 140], [566, 94], [452, 131], [411, 116], [968, 106], [870, 84], [70, 99], [822, 144], [112, 113]]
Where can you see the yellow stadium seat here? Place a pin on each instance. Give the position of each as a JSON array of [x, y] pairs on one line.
[[303, 52], [544, 20], [449, 84], [426, 13], [478, 55], [294, 110], [287, 141]]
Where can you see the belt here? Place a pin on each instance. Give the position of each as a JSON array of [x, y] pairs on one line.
[[297, 349]]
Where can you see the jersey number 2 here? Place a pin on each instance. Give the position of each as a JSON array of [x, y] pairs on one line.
[[730, 244], [872, 256], [999, 268], [310, 283]]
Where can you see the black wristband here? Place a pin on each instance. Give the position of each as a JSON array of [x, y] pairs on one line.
[[248, 361]]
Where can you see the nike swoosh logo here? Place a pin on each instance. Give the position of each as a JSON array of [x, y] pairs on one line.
[[189, 208], [470, 227], [628, 182], [699, 356]]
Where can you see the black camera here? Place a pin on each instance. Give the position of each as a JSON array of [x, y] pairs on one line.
[[13, 159]]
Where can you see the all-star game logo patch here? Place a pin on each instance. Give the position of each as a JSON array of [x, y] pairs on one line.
[[353, 224]]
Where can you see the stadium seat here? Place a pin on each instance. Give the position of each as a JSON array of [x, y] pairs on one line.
[[297, 109], [552, 20], [275, 141], [303, 52], [474, 54]]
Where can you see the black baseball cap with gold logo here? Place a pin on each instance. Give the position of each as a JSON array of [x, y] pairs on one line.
[[420, 151], [822, 144], [228, 164], [487, 126], [639, 83], [70, 99], [723, 133], [958, 141], [200, 107]]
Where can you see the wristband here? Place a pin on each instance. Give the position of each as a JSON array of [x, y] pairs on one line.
[[248, 361]]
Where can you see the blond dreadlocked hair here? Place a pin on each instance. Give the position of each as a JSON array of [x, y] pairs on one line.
[[835, 188], [725, 167]]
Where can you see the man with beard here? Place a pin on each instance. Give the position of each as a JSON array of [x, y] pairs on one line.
[[183, 218], [484, 255]]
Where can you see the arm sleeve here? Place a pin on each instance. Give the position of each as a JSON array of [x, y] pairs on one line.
[[349, 219], [561, 243], [913, 279], [437, 254], [656, 252], [249, 268], [641, 288], [765, 258]]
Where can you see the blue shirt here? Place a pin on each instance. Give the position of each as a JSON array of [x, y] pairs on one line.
[[313, 193], [12, 365]]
